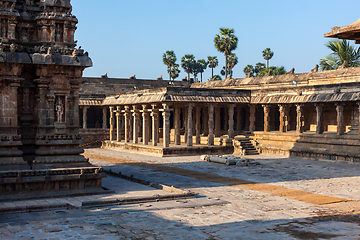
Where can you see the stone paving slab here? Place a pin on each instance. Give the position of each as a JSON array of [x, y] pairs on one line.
[[300, 195], [219, 212]]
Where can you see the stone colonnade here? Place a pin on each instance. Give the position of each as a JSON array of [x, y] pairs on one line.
[[284, 117], [145, 120]]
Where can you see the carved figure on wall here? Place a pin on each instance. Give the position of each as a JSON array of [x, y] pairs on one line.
[[59, 110]]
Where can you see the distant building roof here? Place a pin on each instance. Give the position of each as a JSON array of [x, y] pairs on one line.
[[349, 32]]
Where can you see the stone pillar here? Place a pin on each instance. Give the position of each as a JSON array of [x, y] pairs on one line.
[[266, 118], [319, 118], [205, 121], [44, 34], [118, 123], [198, 125], [166, 125], [238, 119], [211, 125], [190, 125], [287, 118], [51, 100], [177, 139], [127, 123], [68, 100], [145, 115], [85, 108], [282, 110], [52, 33], [231, 120], [155, 124], [66, 30], [76, 109], [136, 124], [112, 122], [299, 118], [358, 103], [217, 113], [12, 29], [13, 99], [104, 117], [42, 85], [340, 118], [185, 125], [252, 118]]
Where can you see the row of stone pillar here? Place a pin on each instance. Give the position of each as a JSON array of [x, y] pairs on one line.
[[285, 118], [131, 126]]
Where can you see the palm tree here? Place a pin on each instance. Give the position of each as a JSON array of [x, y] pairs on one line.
[[213, 63], [174, 71], [202, 64], [341, 51], [225, 43], [232, 61], [267, 55], [188, 64], [169, 59], [258, 67], [249, 69]]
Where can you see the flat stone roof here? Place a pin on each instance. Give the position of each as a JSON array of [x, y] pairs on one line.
[[179, 94]]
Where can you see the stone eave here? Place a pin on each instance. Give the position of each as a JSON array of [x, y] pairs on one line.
[[350, 32], [309, 78], [179, 94]]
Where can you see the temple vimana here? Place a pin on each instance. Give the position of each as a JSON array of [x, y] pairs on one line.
[[48, 111]]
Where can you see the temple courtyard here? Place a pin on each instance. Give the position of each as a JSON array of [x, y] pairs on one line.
[[184, 197]]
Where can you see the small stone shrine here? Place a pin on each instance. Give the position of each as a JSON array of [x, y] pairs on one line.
[[40, 77]]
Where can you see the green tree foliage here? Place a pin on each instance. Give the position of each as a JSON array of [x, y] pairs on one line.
[[213, 63], [267, 55], [174, 71], [249, 69], [274, 71], [259, 67], [169, 59], [201, 66], [341, 51], [188, 63], [215, 78], [226, 42], [232, 61]]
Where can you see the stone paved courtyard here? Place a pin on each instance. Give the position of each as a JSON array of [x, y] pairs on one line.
[[219, 211]]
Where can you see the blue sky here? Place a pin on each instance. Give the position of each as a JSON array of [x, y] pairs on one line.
[[129, 37]]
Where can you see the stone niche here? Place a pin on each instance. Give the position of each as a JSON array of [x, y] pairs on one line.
[[40, 77]]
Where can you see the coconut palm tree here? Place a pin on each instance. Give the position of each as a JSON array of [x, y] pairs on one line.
[[267, 55], [341, 51], [213, 63], [226, 42], [169, 59], [188, 64]]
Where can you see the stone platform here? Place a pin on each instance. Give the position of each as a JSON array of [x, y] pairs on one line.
[[328, 146], [169, 151], [42, 183]]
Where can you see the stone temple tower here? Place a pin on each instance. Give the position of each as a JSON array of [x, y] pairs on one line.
[[40, 75]]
